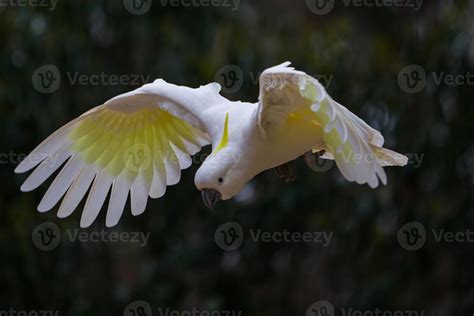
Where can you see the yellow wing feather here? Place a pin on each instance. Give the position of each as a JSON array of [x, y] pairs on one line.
[[140, 151]]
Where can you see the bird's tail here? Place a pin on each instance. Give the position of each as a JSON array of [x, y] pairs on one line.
[[356, 147]]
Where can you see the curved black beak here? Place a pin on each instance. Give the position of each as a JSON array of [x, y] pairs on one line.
[[211, 197]]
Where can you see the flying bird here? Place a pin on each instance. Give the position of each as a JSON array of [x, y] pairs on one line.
[[137, 143]]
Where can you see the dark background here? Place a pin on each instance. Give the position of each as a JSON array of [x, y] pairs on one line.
[[181, 267]]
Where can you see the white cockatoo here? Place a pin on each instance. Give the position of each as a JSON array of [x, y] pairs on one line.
[[139, 142]]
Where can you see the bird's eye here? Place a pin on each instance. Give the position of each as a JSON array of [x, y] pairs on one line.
[[220, 180]]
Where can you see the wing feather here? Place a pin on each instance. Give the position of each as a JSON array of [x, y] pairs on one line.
[[46, 169], [118, 199], [139, 194], [61, 184], [349, 140], [76, 192], [158, 185], [96, 198], [136, 143]]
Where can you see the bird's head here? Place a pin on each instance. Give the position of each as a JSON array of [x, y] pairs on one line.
[[220, 177]]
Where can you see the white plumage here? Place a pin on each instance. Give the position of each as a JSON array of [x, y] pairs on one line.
[[137, 143]]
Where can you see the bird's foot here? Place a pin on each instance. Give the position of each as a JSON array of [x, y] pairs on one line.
[[285, 172]]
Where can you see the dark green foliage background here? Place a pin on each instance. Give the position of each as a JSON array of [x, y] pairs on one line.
[[181, 267]]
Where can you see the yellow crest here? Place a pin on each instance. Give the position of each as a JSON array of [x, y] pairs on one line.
[[225, 135]]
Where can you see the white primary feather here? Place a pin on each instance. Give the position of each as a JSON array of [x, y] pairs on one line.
[[96, 198], [139, 195], [76, 192], [118, 199], [158, 184], [173, 174], [183, 158], [61, 184], [46, 168]]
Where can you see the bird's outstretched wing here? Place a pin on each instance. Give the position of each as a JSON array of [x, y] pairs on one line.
[[353, 144], [136, 142]]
